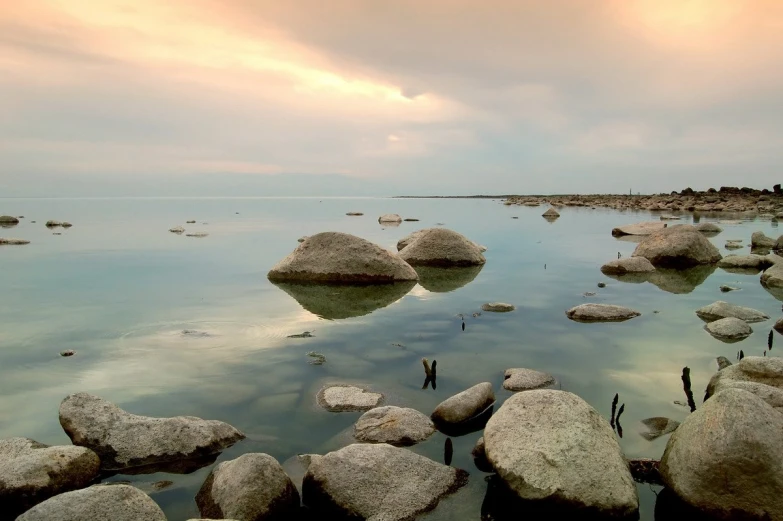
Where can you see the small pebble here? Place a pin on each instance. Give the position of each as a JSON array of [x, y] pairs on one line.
[[68, 352], [601, 284]]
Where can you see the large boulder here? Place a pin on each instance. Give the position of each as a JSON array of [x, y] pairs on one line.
[[464, 406], [760, 375], [99, 502], [677, 247], [759, 240], [726, 458], [253, 487], [402, 243], [442, 247], [377, 483], [124, 440], [729, 329], [601, 313], [393, 425], [627, 265], [643, 228], [721, 309], [753, 262], [31, 472], [521, 379], [551, 446], [340, 257]]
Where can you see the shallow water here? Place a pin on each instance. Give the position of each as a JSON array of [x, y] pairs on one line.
[[120, 290]]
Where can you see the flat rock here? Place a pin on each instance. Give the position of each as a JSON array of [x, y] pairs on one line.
[[709, 228], [677, 247], [658, 426], [759, 240], [550, 213], [342, 258], [497, 307], [377, 483], [13, 242], [601, 313], [760, 375], [390, 218], [31, 472], [8, 219], [642, 228], [721, 309], [726, 458], [344, 398], [729, 328], [124, 440], [354, 214], [177, 229], [733, 246], [544, 444], [97, 503], [442, 247], [197, 234], [464, 406], [520, 379], [393, 425], [627, 265], [756, 262], [252, 487], [402, 243]]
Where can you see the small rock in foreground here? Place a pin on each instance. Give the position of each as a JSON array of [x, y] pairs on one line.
[[729, 328], [464, 406], [520, 379], [393, 425], [99, 502]]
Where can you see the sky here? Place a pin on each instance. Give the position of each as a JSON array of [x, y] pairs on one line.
[[371, 97]]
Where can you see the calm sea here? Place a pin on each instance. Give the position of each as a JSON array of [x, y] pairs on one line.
[[119, 289]]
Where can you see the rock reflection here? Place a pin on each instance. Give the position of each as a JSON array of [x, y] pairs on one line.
[[675, 281], [183, 466], [443, 280], [474, 424], [331, 301]]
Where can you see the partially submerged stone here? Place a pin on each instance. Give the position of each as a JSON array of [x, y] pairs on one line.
[[398, 426], [755, 262], [464, 406], [642, 228], [760, 375], [377, 483], [759, 240], [627, 265], [721, 309], [390, 218], [344, 398], [677, 247], [442, 247], [341, 258], [177, 230], [730, 329], [551, 212], [658, 426], [13, 242], [773, 277], [402, 243], [521, 379], [124, 440], [709, 228], [601, 313], [98, 502], [8, 219], [497, 307]]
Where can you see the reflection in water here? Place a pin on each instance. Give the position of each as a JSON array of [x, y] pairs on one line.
[[550, 218], [686, 385], [443, 280], [675, 281], [631, 238], [332, 301], [183, 466], [448, 451]]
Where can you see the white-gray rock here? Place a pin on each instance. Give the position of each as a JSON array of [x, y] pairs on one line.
[[721, 309], [13, 242], [552, 446], [760, 375], [756, 262], [601, 313], [759, 240], [393, 425], [727, 458], [442, 247], [773, 277], [709, 228], [390, 218], [346, 398], [177, 230], [627, 265], [550, 213], [124, 440], [252, 487], [498, 307], [677, 247], [402, 243], [31, 472], [377, 483], [520, 379], [464, 406], [97, 503], [643, 228], [729, 328], [340, 257]]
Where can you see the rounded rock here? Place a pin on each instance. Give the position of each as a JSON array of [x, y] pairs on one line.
[[390, 218], [677, 247], [627, 265], [729, 328], [520, 379], [114, 502], [601, 313], [442, 247], [464, 406], [497, 307], [393, 425], [721, 309]]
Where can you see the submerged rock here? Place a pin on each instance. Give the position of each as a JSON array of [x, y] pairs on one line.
[[177, 230], [729, 329], [627, 265], [550, 213], [643, 228], [441, 247], [377, 483], [390, 218], [755, 262], [552, 447], [252, 487], [342, 398], [498, 307], [601, 313], [677, 247], [680, 281], [726, 458], [721, 309], [31, 472], [393, 425], [8, 219], [342, 258], [709, 228], [520, 379], [464, 406], [658, 426], [479, 454], [125, 440], [98, 502]]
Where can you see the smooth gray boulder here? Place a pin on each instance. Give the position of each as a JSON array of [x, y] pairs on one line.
[[642, 228], [398, 426], [497, 307], [601, 313], [390, 218], [677, 247], [760, 375], [627, 265], [402, 243], [8, 219], [442, 247], [347, 398], [252, 487], [520, 379], [759, 240], [31, 472], [755, 262], [726, 459], [342, 258], [721, 309], [13, 242], [377, 483], [465, 405], [709, 228], [729, 328], [552, 446], [124, 440], [97, 503], [551, 212]]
